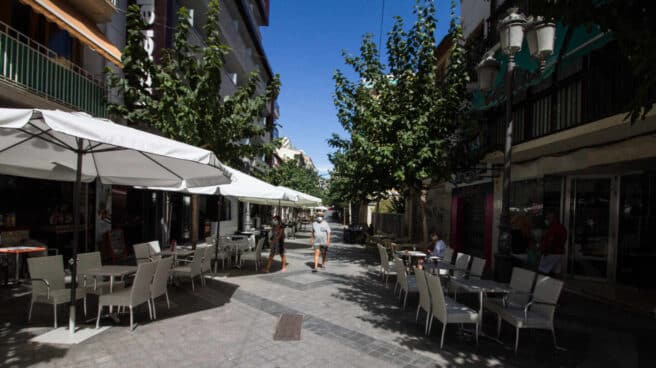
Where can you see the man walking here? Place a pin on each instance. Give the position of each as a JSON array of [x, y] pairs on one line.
[[320, 240]]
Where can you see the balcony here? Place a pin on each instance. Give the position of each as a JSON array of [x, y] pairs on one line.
[[33, 68], [100, 11]]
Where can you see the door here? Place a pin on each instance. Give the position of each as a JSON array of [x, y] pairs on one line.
[[590, 224]]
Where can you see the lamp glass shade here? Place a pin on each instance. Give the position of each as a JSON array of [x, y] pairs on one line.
[[487, 72], [545, 37], [511, 32]]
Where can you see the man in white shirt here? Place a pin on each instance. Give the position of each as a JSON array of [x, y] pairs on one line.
[[320, 239], [438, 245]]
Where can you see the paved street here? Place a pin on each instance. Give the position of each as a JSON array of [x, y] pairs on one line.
[[350, 320]]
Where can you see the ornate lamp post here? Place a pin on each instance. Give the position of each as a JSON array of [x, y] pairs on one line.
[[540, 38]]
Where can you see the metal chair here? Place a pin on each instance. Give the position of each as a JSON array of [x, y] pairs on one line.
[[159, 285], [49, 286]]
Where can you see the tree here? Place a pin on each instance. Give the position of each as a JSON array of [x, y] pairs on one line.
[[407, 125], [186, 103], [631, 22], [295, 175]]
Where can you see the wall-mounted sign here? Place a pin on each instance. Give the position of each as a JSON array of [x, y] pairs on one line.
[[148, 16]]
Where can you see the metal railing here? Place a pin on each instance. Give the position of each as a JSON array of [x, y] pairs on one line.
[[32, 66]]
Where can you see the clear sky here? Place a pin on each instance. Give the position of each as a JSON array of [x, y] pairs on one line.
[[304, 41]]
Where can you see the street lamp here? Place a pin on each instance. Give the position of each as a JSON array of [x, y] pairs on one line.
[[540, 38]]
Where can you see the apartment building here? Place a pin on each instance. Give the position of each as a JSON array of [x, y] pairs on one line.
[[574, 155]]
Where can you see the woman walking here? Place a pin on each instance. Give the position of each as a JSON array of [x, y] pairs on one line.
[[277, 244]]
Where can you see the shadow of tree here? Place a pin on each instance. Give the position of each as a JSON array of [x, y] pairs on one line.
[[383, 311]]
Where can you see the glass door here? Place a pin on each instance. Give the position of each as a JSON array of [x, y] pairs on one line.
[[590, 224]]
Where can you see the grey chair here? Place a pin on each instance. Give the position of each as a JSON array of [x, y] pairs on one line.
[[386, 267], [49, 285], [407, 284], [462, 264], [255, 256], [446, 310], [88, 261], [192, 269], [133, 297], [159, 285], [424, 296], [538, 313], [477, 268], [521, 284], [142, 252]]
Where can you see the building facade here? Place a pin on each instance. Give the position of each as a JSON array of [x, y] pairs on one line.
[[574, 155]]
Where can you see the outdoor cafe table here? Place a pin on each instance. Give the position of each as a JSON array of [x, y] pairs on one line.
[[413, 255], [442, 265], [482, 287], [110, 271], [18, 251]]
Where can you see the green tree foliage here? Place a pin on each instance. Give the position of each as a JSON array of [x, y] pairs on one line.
[[294, 174], [186, 103], [631, 22], [406, 123]]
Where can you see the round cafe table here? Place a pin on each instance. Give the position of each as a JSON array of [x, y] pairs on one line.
[[18, 251], [412, 255]]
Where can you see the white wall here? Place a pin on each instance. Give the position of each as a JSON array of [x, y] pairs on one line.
[[473, 12]]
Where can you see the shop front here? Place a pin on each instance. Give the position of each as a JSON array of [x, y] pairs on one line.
[[472, 220]]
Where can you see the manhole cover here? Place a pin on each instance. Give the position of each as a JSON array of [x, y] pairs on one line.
[[289, 327]]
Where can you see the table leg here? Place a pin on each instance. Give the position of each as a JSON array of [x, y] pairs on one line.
[[17, 266], [111, 289], [480, 312]]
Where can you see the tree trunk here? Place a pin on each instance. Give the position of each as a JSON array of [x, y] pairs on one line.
[[423, 196], [409, 209], [376, 220]]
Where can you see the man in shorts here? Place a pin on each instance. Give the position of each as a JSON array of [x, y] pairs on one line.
[[320, 240]]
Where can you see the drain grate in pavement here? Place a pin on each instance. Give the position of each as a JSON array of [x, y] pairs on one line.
[[289, 327]]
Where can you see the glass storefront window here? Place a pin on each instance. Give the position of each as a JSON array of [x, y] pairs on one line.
[[530, 201]]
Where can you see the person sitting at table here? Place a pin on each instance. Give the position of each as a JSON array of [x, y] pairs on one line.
[[437, 246]]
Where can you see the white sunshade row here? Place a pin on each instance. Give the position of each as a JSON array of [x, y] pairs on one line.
[[37, 144]]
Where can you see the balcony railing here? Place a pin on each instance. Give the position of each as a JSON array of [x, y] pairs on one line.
[[39, 70], [598, 86]]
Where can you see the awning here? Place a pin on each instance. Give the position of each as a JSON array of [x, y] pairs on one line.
[[84, 30], [582, 41]]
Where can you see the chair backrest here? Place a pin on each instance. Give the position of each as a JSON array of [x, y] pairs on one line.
[[462, 261], [154, 247], [422, 286], [207, 257], [141, 252], [477, 267], [48, 268], [210, 240], [438, 303], [382, 252], [87, 261], [448, 255], [197, 263], [521, 280], [258, 249], [401, 273], [547, 290], [140, 291], [161, 278]]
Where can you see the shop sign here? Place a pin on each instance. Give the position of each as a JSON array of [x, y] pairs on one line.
[[148, 15]]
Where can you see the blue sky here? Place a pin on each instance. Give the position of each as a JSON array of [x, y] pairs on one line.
[[304, 41]]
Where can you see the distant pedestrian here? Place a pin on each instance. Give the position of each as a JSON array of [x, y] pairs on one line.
[[320, 240], [553, 245], [277, 244]]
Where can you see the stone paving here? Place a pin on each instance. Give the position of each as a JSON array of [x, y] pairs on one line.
[[350, 320]]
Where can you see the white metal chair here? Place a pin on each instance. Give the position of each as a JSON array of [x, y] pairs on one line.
[[448, 255], [477, 268], [155, 249], [159, 285], [462, 264], [206, 263], [142, 252], [91, 260], [424, 297], [135, 296], [537, 313], [386, 267], [193, 269], [446, 310], [407, 284], [224, 253], [255, 256], [521, 284], [48, 284]]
